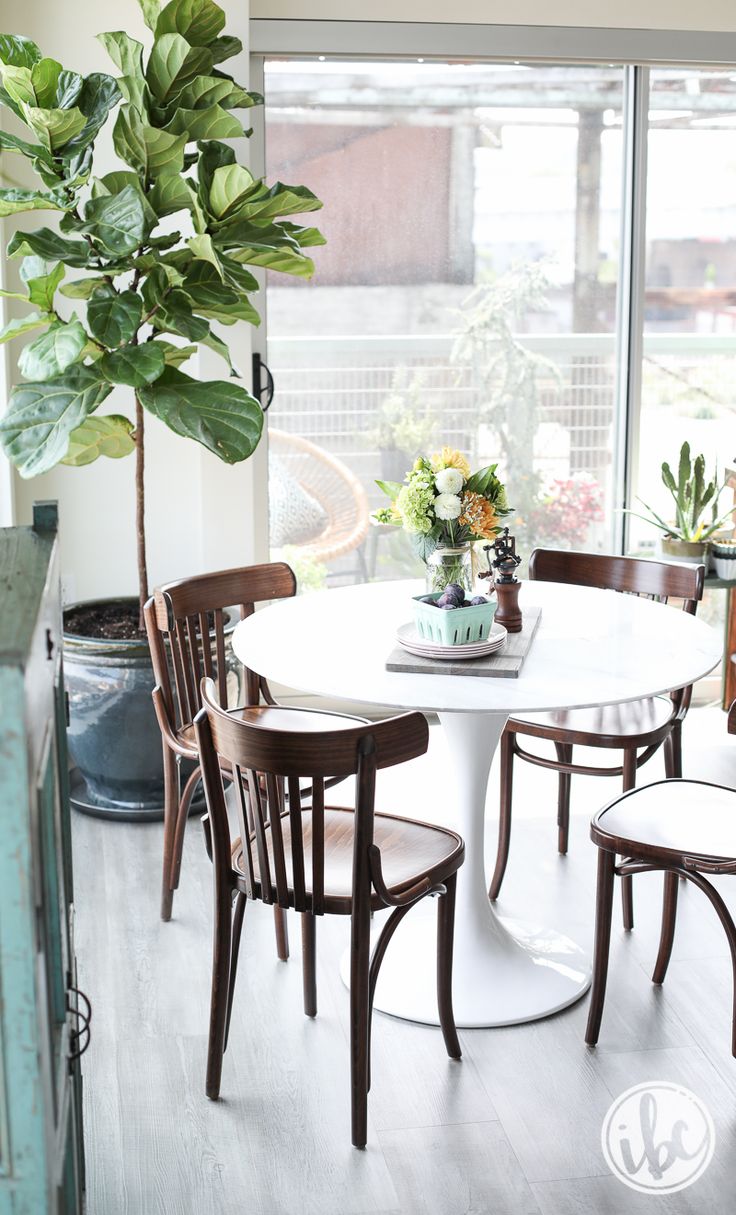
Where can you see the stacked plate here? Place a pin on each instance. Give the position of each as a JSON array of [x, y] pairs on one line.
[[408, 637]]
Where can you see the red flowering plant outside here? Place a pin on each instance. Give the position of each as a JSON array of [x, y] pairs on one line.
[[564, 512]]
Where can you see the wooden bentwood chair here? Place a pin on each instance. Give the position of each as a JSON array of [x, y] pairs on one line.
[[687, 828], [318, 859], [185, 624], [648, 724]]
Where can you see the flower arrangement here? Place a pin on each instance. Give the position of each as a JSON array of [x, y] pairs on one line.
[[442, 504]]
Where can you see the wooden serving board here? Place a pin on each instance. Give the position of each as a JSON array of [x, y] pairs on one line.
[[504, 664]]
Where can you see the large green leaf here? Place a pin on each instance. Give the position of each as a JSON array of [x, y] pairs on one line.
[[484, 481], [41, 279], [18, 82], [68, 89], [19, 325], [135, 366], [18, 51], [116, 221], [230, 185], [174, 356], [54, 128], [205, 91], [238, 277], [216, 343], [171, 194], [80, 288], [222, 416], [51, 354], [114, 183], [199, 21], [33, 150], [52, 247], [175, 315], [164, 152], [267, 202], [202, 249], [127, 138], [41, 416], [267, 246], [127, 54], [306, 238], [114, 317], [221, 303], [172, 63], [45, 79], [150, 10], [98, 96], [13, 201], [111, 436], [212, 123], [224, 48]]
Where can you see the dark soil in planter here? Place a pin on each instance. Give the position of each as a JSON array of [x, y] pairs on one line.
[[106, 621]]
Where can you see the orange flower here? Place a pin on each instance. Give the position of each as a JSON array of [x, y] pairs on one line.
[[449, 457], [479, 516]]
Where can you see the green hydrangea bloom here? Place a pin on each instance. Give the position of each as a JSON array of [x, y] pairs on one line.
[[415, 500]]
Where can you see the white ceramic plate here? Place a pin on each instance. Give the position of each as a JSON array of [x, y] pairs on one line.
[[408, 637]]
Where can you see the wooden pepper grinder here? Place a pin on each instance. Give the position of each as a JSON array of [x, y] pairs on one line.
[[508, 612]]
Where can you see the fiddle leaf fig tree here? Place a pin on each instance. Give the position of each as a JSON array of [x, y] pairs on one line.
[[147, 256]]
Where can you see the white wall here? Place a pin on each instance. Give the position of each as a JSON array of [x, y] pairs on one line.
[[200, 511], [624, 14]]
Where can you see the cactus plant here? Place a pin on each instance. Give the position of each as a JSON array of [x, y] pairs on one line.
[[691, 495]]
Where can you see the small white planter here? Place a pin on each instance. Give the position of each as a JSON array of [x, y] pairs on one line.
[[724, 561]]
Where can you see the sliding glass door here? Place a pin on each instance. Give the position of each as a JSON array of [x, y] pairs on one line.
[[467, 295], [519, 263]]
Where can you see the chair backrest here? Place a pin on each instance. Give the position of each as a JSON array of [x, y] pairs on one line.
[[189, 616], [732, 718], [631, 575], [267, 764], [658, 580]]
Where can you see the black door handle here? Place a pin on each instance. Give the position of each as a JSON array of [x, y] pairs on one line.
[[261, 384]]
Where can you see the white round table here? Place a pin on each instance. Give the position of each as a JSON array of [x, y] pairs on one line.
[[593, 647]]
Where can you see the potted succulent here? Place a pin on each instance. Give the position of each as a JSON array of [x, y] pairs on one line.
[[687, 537], [145, 259]]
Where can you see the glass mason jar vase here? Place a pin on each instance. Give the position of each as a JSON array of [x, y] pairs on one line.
[[446, 565]]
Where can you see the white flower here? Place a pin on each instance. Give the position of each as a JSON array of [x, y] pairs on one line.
[[447, 506], [449, 481]]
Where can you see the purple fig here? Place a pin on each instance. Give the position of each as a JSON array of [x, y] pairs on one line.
[[478, 600]]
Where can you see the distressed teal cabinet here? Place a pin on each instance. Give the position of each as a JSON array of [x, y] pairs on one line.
[[43, 1020]]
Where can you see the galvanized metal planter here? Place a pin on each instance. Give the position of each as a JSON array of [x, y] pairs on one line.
[[114, 738]]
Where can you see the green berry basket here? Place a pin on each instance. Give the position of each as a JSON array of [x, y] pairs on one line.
[[460, 626]]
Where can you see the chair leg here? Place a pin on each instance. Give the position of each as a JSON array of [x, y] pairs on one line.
[[282, 933], [627, 885], [564, 780], [445, 943], [603, 915], [221, 950], [673, 752], [504, 812], [182, 816], [359, 1025], [667, 935], [171, 806], [240, 905], [309, 963]]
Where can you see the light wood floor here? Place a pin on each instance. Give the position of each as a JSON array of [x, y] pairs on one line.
[[513, 1129]]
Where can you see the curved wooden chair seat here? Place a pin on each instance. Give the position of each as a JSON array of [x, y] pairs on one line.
[[637, 721], [686, 828], [637, 729], [410, 853], [316, 859]]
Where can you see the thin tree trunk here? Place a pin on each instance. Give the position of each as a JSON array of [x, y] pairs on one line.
[[140, 512]]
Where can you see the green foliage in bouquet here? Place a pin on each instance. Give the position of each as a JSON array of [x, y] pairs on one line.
[[148, 285]]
